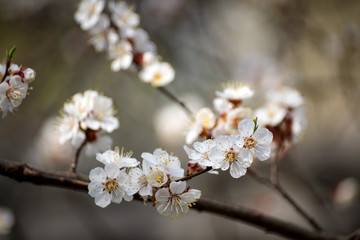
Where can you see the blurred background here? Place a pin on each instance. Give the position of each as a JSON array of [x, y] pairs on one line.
[[311, 45]]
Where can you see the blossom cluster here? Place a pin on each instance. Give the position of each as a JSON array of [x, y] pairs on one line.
[[14, 86], [114, 28], [231, 151], [156, 179], [160, 179], [283, 114], [85, 118]]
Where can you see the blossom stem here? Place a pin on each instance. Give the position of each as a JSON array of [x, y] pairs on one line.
[[163, 90], [75, 161], [172, 97], [286, 196], [8, 62], [194, 175]]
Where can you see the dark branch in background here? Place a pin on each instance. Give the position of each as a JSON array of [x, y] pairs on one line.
[[172, 97], [24, 173], [280, 190]]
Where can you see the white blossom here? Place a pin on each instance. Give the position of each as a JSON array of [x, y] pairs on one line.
[[121, 55], [176, 199], [117, 158], [157, 176], [92, 110], [228, 153], [68, 129], [88, 13], [233, 118], [139, 182], [101, 116], [271, 115], [80, 105], [12, 92], [108, 185], [124, 15], [158, 74], [257, 142], [140, 40], [222, 106], [204, 119], [235, 92], [200, 154], [159, 161], [101, 35], [14, 68], [86, 116], [29, 75], [286, 97]]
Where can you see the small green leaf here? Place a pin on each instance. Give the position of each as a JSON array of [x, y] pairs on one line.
[[11, 52], [256, 124]]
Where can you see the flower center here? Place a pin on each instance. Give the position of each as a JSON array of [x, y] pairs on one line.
[[249, 142], [111, 184], [142, 180], [157, 177], [231, 155], [157, 77], [207, 122], [14, 95]]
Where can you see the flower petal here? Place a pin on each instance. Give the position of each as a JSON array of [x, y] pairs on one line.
[[103, 199], [97, 174], [177, 187], [236, 170], [263, 136], [246, 127], [262, 152]]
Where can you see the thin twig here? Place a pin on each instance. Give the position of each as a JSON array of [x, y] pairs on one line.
[[24, 173], [75, 161], [8, 62], [274, 165], [172, 97], [280, 190], [194, 175], [163, 90]]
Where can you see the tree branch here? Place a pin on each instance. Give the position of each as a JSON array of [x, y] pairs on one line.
[[280, 190], [24, 173], [172, 97]]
